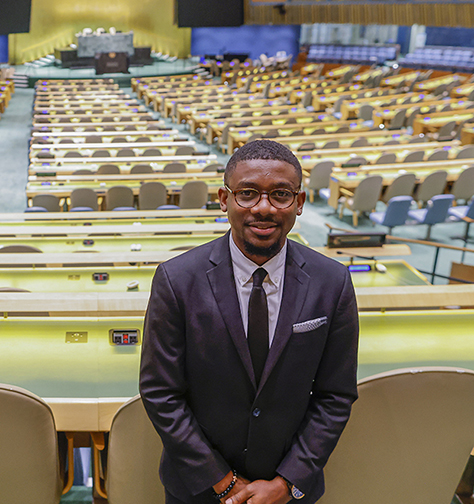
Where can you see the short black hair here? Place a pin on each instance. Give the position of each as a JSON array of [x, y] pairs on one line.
[[263, 149]]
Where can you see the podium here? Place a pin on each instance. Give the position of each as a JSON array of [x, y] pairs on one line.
[[111, 62]]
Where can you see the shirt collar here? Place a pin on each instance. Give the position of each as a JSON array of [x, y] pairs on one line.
[[244, 267]]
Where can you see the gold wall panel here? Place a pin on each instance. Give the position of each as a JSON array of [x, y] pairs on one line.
[[442, 14], [54, 24]]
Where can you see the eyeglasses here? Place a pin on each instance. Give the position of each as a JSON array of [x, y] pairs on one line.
[[248, 197]]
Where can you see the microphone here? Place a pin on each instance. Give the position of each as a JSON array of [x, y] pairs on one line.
[[378, 266]]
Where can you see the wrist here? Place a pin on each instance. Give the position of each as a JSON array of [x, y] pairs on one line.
[[223, 487]]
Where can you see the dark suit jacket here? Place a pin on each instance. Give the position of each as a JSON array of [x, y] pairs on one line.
[[198, 385]]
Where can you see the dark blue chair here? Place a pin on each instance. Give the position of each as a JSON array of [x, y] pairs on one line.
[[435, 212], [462, 211], [396, 213]]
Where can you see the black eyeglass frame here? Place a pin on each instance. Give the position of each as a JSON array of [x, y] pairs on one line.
[[234, 193]]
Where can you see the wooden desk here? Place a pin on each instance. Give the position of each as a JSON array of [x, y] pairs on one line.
[[237, 136], [462, 91], [383, 115], [350, 108], [351, 179], [371, 153], [323, 101], [200, 119], [87, 119], [106, 136], [432, 122], [432, 84], [59, 150], [119, 126], [395, 80]]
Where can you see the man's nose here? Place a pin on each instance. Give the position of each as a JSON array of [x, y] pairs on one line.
[[264, 206]]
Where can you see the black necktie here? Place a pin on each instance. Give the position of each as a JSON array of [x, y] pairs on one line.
[[257, 333]]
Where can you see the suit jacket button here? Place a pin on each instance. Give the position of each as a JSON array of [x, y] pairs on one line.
[[245, 450], [256, 412]]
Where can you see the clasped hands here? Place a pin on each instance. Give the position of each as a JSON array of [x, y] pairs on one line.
[[273, 491]]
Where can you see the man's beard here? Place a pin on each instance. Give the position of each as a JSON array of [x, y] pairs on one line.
[[255, 250]]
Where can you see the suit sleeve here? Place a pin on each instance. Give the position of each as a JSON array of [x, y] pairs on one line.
[[163, 390], [334, 391]]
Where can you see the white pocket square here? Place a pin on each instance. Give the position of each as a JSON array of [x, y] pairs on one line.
[[309, 325]]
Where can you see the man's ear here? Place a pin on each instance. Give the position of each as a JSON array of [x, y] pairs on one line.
[[300, 199], [223, 194]]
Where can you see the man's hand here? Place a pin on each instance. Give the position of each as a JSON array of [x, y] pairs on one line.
[[240, 484], [262, 492]]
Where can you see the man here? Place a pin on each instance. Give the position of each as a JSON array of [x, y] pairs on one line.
[[242, 420]]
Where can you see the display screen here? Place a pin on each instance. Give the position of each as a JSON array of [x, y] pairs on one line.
[[15, 16]]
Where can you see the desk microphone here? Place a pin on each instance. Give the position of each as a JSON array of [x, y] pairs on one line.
[[378, 266]]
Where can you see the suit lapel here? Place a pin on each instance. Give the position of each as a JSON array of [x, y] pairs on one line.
[[221, 279], [294, 294]]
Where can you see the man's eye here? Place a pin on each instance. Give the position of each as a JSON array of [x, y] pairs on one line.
[[281, 193], [247, 193]]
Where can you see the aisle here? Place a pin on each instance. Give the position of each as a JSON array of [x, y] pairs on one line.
[[15, 130]]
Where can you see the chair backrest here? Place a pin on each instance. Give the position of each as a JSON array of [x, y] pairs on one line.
[[414, 157], [185, 150], [174, 168], [367, 193], [84, 197], [402, 442], [193, 194], [411, 118], [356, 161], [152, 195], [119, 140], [19, 249], [360, 142], [397, 211], [101, 153], [118, 196], [141, 168], [463, 188], [72, 154], [48, 201], [437, 208], [433, 184], [134, 457], [108, 169], [333, 144], [82, 171], [126, 153], [365, 112], [388, 158], [151, 152], [319, 176], [447, 130], [306, 146], [29, 461], [398, 120], [307, 99], [466, 152], [438, 155], [213, 167], [401, 186]]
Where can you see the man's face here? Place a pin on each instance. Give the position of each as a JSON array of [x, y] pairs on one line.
[[260, 231]]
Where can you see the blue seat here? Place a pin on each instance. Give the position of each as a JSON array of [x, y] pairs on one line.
[[461, 211], [435, 212], [396, 213], [167, 207], [124, 209], [35, 209]]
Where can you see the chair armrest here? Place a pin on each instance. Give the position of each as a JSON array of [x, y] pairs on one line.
[[346, 192]]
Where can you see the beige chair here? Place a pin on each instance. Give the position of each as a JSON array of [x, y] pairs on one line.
[[360, 142], [414, 157], [141, 168], [152, 195], [101, 153], [401, 186], [365, 112], [72, 154], [387, 158], [438, 155], [126, 153], [446, 132], [151, 152], [19, 249], [433, 184], [133, 458], [48, 201], [84, 198], [332, 144], [174, 168], [407, 441], [364, 198], [31, 460], [466, 152], [463, 188], [119, 197], [213, 167], [306, 146], [318, 178], [108, 169], [398, 120], [193, 194], [185, 150]]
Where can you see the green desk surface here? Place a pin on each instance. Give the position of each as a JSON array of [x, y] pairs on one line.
[[69, 220], [80, 279], [80, 379], [118, 243], [63, 189]]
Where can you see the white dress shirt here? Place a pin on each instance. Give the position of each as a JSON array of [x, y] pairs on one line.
[[272, 283]]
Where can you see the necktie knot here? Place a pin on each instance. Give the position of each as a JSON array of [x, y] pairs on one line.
[[259, 276]]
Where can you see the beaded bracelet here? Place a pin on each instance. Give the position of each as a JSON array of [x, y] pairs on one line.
[[229, 488]]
